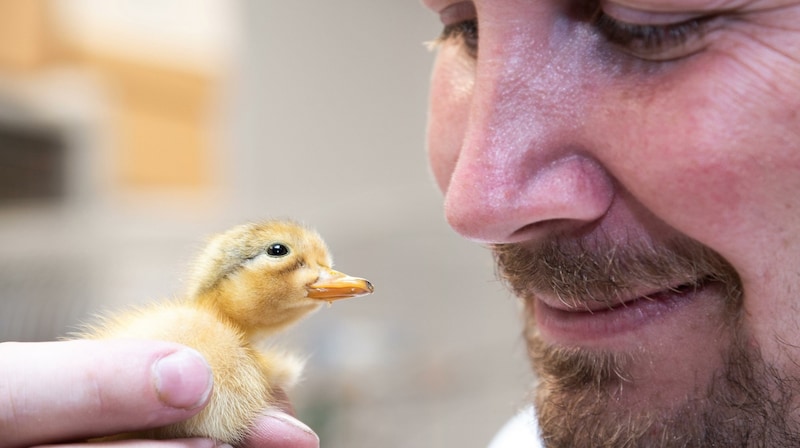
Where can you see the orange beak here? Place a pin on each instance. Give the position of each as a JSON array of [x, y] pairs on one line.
[[333, 285]]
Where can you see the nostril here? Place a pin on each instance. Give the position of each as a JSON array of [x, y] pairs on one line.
[[531, 230], [541, 229], [549, 228]]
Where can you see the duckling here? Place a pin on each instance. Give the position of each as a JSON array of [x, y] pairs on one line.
[[251, 281]]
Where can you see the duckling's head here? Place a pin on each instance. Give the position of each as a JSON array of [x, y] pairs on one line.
[[267, 275]]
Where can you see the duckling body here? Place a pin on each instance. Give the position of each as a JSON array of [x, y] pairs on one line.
[[249, 282]]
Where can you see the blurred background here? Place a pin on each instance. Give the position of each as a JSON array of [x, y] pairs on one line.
[[130, 130]]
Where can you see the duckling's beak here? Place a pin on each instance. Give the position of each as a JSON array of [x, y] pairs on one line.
[[332, 285]]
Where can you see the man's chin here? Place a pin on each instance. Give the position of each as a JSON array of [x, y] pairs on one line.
[[586, 398], [582, 398]]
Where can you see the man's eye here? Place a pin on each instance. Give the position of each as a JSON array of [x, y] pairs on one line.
[[660, 42], [466, 33], [460, 26]]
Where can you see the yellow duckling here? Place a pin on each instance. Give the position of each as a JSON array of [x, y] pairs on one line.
[[250, 281]]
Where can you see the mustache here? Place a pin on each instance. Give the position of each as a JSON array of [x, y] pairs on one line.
[[593, 269]]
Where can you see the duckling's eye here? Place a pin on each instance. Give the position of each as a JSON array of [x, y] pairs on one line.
[[277, 250]]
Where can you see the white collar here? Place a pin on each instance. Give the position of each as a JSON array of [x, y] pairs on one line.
[[521, 431]]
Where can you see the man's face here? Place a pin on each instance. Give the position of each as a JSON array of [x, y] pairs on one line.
[[635, 167]]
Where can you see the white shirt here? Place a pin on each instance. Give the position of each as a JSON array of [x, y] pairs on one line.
[[521, 431]]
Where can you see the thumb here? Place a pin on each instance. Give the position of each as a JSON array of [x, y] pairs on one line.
[[57, 391]]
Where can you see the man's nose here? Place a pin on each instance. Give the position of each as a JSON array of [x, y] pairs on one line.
[[526, 169]]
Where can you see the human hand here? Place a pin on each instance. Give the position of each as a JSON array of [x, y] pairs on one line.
[[60, 392]]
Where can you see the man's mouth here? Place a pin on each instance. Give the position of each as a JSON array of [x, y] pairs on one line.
[[587, 322]]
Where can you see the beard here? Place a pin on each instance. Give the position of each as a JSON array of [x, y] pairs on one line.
[[580, 395]]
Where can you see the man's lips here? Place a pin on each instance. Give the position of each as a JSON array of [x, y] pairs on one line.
[[596, 306], [591, 322]]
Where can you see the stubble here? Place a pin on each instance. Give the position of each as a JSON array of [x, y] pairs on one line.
[[580, 393]]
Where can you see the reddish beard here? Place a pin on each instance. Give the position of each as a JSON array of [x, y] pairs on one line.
[[579, 396]]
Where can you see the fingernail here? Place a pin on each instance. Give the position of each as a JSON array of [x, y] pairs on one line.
[[289, 423], [183, 379]]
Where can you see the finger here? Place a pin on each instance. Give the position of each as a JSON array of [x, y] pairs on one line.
[[176, 443], [57, 391], [277, 429], [281, 401]]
